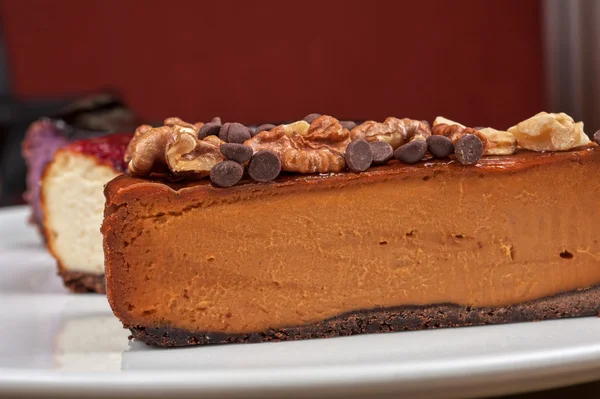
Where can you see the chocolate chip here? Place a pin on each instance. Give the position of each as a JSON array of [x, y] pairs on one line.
[[226, 173], [236, 152], [597, 137], [468, 149], [311, 117], [237, 133], [264, 166], [382, 152], [348, 124], [427, 123], [358, 155], [209, 129], [263, 127], [224, 132], [217, 120], [411, 152], [440, 146]]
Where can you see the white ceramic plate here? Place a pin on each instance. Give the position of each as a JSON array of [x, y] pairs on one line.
[[56, 343]]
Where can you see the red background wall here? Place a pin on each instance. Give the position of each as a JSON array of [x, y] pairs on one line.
[[476, 61]]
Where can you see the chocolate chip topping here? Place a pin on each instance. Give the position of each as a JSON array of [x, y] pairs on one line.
[[468, 149], [224, 132], [217, 120], [236, 152], [262, 128], [411, 152], [237, 133], [382, 152], [348, 124], [358, 156], [440, 146], [597, 137], [209, 129], [311, 117], [226, 173], [264, 166]]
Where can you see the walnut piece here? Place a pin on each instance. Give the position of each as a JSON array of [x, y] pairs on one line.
[[140, 132], [187, 155], [174, 147], [180, 126], [500, 142], [549, 132], [146, 150], [496, 142], [456, 131], [393, 131], [318, 147], [300, 127], [441, 120]]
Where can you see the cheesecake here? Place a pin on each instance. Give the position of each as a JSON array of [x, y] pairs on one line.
[[89, 117], [319, 231], [72, 204]]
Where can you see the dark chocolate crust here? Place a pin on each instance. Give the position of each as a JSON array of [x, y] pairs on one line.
[[83, 282], [577, 303]]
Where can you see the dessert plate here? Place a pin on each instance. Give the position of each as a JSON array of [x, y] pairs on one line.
[[56, 343]]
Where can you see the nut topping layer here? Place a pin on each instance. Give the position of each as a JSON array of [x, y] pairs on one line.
[[319, 143]]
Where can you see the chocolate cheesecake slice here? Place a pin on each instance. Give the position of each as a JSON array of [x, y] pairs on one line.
[[409, 243]]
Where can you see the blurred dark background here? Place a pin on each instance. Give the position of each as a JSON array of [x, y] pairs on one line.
[[491, 63]]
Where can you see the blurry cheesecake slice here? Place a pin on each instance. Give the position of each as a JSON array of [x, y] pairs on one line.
[[72, 203], [89, 117]]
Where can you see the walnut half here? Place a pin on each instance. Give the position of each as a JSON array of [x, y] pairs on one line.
[[393, 131], [318, 148], [146, 150], [497, 142], [174, 147], [455, 132], [550, 132], [187, 155]]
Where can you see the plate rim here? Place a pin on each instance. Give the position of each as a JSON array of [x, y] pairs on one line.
[[480, 374]]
